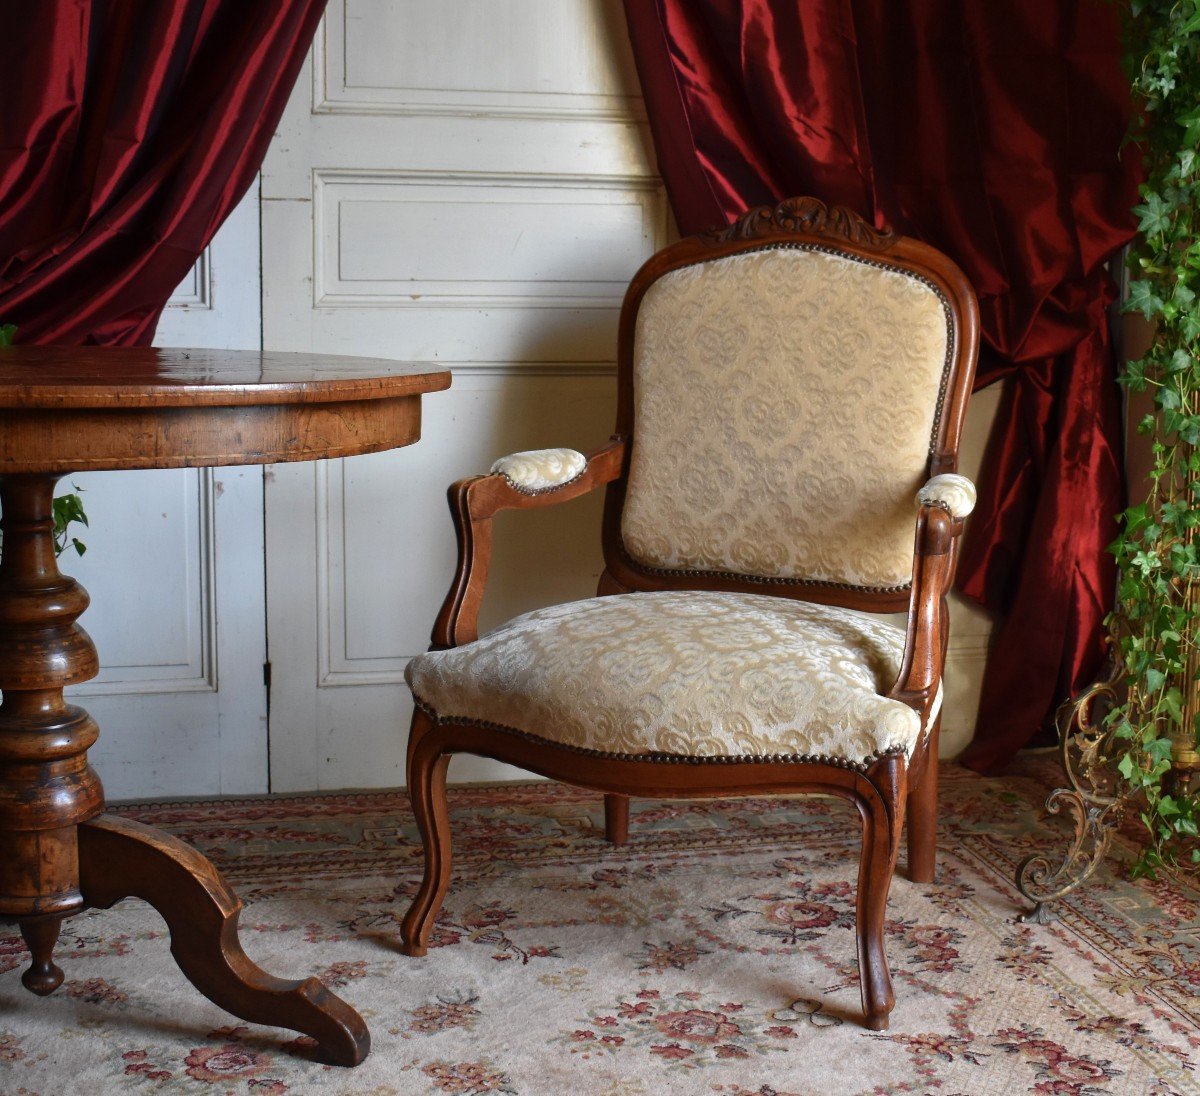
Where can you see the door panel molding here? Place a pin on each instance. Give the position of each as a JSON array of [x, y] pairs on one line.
[[584, 81], [195, 291], [384, 238], [152, 670]]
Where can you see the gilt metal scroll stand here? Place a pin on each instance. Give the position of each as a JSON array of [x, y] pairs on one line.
[[1098, 798], [1095, 799]]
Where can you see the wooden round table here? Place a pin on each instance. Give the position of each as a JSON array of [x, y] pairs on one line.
[[85, 409]]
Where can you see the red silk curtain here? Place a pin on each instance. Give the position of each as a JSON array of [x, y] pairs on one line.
[[990, 130], [128, 133]]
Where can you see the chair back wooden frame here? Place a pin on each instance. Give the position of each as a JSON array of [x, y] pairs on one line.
[[884, 791]]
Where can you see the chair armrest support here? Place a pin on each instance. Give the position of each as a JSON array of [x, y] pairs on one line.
[[475, 501], [945, 501]]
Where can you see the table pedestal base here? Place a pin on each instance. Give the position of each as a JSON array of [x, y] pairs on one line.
[[59, 853], [120, 858]]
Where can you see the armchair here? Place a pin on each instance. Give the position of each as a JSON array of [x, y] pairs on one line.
[[786, 386]]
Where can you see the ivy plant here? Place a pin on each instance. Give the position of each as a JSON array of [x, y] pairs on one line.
[[1156, 622], [67, 508]]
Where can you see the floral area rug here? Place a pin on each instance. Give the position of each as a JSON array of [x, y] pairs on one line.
[[714, 954]]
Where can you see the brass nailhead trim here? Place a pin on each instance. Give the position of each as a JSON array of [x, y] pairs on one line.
[[543, 490], [663, 758], [762, 580]]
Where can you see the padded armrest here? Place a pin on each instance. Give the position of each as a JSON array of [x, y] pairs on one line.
[[952, 492], [540, 469]]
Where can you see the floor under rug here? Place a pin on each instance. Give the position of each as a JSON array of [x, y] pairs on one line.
[[712, 955]]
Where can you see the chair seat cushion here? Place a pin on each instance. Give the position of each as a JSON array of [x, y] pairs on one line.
[[682, 673]]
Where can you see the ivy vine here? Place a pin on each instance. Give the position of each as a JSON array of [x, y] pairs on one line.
[[1156, 622]]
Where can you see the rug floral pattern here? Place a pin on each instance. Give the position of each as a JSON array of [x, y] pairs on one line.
[[712, 955]]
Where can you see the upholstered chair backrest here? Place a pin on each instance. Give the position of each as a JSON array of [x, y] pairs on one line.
[[787, 401]]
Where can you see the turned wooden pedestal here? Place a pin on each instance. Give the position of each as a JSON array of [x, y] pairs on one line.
[[75, 410]]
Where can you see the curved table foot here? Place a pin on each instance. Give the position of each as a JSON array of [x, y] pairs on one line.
[[120, 858]]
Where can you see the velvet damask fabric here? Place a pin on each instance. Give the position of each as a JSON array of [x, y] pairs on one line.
[[784, 408], [535, 470], [991, 131], [129, 132], [689, 673], [955, 493]]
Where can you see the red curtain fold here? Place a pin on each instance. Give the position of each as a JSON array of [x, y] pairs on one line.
[[128, 133], [992, 131]]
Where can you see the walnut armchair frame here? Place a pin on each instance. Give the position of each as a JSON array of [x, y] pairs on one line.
[[886, 792]]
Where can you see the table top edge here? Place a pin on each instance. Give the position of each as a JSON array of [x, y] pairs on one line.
[[185, 393]]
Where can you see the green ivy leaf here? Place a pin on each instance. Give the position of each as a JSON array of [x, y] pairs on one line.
[[67, 509], [1191, 124], [1179, 361], [1154, 216], [1143, 299], [1173, 702]]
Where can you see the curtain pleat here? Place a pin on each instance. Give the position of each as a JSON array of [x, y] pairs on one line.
[[129, 132]]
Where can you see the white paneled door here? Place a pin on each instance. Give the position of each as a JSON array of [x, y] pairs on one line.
[[470, 182], [466, 182], [174, 569]]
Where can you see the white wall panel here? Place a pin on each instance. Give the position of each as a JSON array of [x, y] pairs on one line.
[[419, 240], [474, 268], [195, 291], [174, 567], [149, 570], [540, 58], [217, 303]]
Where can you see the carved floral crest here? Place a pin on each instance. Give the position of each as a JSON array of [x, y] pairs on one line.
[[806, 215]]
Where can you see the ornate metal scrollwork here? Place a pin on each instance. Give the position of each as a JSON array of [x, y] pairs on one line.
[[1095, 800]]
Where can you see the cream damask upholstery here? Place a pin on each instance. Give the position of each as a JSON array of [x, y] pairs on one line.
[[784, 411], [540, 469], [685, 673], [951, 491]]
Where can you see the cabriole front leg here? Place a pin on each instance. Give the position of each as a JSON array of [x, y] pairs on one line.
[[881, 804], [46, 785]]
